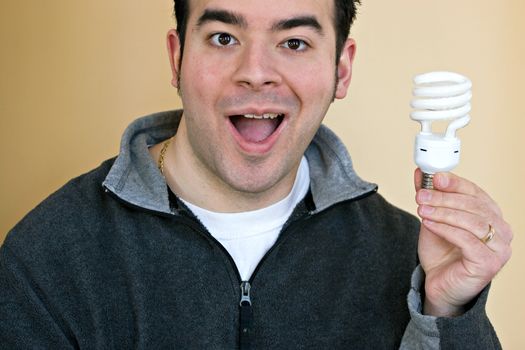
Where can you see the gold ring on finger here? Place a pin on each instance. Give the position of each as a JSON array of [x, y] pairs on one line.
[[489, 236]]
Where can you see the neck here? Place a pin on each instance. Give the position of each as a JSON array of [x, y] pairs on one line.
[[194, 182]]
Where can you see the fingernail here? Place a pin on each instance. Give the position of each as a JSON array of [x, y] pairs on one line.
[[425, 196], [426, 210], [427, 222]]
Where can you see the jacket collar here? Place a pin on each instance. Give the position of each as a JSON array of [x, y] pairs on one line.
[[135, 179]]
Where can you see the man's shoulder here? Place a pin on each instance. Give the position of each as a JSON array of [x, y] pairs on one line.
[[65, 212]]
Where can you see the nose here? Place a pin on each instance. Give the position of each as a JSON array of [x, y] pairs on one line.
[[256, 68]]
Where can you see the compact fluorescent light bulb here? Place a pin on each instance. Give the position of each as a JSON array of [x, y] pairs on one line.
[[439, 96]]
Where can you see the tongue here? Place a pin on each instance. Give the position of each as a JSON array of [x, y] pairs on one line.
[[255, 130]]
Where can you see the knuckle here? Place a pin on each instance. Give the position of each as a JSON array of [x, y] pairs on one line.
[[482, 227], [477, 190], [438, 197], [483, 207], [443, 213]]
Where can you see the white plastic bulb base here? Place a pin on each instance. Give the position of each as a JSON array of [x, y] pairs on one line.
[[435, 154]]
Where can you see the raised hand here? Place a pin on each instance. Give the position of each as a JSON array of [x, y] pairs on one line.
[[464, 242]]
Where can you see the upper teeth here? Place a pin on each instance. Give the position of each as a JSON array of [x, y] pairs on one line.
[[264, 116]]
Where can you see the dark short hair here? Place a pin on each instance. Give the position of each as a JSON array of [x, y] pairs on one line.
[[344, 15]]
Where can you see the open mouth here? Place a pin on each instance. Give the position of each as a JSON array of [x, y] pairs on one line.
[[256, 128]]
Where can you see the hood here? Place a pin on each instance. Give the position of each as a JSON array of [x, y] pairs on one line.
[[135, 179]]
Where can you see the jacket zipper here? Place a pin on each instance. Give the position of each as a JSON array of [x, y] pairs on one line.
[[245, 303], [246, 316]]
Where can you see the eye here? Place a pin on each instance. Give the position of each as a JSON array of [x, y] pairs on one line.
[[223, 39], [295, 44]]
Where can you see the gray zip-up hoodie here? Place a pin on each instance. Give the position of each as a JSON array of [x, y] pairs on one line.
[[113, 260]]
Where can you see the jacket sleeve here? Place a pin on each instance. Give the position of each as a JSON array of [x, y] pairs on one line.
[[472, 330], [25, 320]]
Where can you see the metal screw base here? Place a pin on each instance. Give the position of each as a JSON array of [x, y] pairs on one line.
[[427, 181]]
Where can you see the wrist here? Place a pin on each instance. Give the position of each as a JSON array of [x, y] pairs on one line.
[[442, 309]]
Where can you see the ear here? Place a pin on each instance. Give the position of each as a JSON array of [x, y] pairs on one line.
[[173, 43], [344, 68]]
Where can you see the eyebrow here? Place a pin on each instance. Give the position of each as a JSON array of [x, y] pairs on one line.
[[228, 17], [300, 21]]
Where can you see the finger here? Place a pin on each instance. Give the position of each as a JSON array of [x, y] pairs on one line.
[[418, 178], [477, 225], [484, 207], [454, 192], [495, 242], [487, 260], [481, 206], [480, 202], [451, 183]]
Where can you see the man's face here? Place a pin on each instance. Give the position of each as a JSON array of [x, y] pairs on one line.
[[247, 60]]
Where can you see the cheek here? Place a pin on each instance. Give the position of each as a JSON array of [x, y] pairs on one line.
[[313, 83], [310, 69], [201, 77]]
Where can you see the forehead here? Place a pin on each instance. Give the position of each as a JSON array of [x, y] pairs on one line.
[[260, 12]]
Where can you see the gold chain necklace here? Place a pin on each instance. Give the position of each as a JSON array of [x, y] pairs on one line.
[[160, 163]]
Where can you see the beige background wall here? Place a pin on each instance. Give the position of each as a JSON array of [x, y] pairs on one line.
[[73, 74]]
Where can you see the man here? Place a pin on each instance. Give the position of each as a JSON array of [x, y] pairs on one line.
[[240, 223]]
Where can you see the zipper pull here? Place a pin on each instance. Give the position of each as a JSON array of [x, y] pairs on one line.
[[246, 315], [245, 294]]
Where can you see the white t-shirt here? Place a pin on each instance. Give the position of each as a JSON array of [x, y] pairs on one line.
[[247, 236]]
